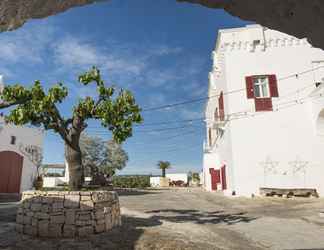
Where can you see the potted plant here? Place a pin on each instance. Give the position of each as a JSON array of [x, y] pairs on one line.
[[38, 182]]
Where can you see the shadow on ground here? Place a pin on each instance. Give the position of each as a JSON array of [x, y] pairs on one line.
[[199, 217]]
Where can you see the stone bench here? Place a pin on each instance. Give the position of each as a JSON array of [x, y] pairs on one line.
[[67, 214]]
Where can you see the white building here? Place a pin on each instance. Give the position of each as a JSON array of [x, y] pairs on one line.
[[265, 114], [20, 153]]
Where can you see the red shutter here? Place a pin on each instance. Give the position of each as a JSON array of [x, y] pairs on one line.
[[221, 107], [249, 87], [273, 85], [223, 177], [263, 104]]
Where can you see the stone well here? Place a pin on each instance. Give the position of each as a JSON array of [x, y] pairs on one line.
[[67, 214]]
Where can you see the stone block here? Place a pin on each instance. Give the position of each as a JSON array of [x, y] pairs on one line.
[[99, 228], [29, 213], [99, 205], [19, 228], [99, 215], [83, 222], [57, 219], [20, 219], [42, 216], [43, 226], [108, 222], [29, 230], [85, 231], [26, 204], [45, 208], [55, 230], [34, 222], [98, 197], [35, 207], [86, 205], [57, 206], [99, 222], [27, 220], [86, 215], [72, 201], [70, 217], [69, 231], [20, 210]]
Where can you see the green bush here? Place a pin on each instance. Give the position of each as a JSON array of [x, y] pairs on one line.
[[134, 181]]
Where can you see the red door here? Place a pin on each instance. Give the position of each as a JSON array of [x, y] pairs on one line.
[[223, 177], [11, 165], [215, 178]]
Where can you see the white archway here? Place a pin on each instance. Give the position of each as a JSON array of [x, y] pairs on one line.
[[320, 124]]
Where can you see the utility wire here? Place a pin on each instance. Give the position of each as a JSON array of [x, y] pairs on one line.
[[224, 93]]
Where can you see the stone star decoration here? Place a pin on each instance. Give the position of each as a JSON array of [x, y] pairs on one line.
[[270, 166], [298, 165]]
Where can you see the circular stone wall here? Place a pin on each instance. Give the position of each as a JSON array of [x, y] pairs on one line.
[[67, 214]]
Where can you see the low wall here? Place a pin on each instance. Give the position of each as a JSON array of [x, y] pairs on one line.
[[67, 214]]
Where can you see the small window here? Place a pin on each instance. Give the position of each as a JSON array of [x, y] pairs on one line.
[[13, 140], [216, 114], [261, 87]]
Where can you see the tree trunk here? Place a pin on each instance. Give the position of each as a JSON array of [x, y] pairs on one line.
[[163, 172], [74, 161]]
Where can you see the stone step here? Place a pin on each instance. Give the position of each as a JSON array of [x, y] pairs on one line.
[[8, 197]]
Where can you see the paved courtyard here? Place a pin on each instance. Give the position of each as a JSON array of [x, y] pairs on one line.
[[190, 218]]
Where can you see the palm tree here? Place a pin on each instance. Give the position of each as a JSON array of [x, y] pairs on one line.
[[163, 165]]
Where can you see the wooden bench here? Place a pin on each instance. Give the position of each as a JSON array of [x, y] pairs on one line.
[[289, 192]]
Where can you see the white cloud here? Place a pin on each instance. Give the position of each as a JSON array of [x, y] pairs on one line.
[[27, 45]]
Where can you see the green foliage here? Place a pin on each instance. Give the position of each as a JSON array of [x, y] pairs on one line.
[[164, 165], [195, 177], [135, 181], [33, 105]]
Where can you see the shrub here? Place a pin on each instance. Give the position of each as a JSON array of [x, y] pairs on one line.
[[133, 181]]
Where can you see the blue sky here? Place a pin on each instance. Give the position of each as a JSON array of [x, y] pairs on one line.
[[158, 49]]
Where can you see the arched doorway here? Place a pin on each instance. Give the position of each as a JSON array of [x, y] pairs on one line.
[[11, 165], [320, 124]]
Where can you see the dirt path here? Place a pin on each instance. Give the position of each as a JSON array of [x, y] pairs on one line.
[[193, 219]]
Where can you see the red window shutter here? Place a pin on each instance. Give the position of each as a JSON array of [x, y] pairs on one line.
[[223, 177], [273, 85], [249, 87], [263, 104], [221, 107]]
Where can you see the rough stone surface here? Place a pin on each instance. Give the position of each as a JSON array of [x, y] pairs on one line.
[[13, 14], [67, 214]]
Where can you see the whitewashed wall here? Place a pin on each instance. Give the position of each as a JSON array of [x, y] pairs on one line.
[[24, 137], [178, 177], [280, 137]]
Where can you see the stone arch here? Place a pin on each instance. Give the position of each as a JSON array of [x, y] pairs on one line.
[[320, 124]]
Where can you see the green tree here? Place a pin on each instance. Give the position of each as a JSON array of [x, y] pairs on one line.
[[164, 165], [116, 112], [100, 157]]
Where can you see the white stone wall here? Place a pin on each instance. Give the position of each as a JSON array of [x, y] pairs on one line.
[[280, 138], [177, 177], [24, 137]]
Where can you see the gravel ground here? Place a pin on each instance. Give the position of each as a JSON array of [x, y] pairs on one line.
[[189, 218]]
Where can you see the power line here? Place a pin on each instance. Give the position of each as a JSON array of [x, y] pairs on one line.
[[166, 106]]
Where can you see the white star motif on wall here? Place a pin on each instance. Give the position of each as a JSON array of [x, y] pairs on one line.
[[298, 165], [270, 166]]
